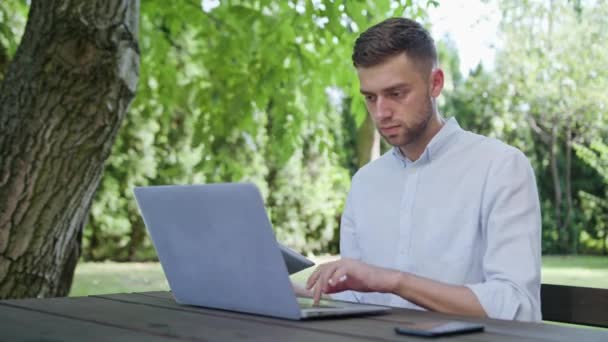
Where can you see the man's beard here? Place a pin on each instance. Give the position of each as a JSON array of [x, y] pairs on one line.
[[411, 134]]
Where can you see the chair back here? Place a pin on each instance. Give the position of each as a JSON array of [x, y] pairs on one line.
[[576, 305]]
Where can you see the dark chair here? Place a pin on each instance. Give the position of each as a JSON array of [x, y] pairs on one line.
[[575, 305]]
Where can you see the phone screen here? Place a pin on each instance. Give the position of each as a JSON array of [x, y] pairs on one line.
[[438, 328]]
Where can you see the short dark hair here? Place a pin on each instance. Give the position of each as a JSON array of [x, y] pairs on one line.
[[392, 37]]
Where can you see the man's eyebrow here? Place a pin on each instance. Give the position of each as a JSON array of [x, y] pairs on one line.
[[387, 89], [395, 87]]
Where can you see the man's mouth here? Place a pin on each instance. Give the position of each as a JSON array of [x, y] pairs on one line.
[[389, 130]]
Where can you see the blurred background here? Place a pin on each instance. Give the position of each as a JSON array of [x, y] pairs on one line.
[[264, 91]]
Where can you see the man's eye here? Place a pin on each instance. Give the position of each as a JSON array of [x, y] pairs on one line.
[[396, 94], [370, 98]]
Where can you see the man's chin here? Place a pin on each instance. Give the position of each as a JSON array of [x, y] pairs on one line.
[[396, 140]]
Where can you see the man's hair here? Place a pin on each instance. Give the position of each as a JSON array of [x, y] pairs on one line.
[[392, 37]]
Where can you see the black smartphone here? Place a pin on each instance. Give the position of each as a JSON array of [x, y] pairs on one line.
[[438, 328]]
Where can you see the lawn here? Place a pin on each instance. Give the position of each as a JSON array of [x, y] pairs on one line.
[[110, 277]]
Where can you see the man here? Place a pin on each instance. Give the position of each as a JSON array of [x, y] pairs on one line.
[[447, 220]]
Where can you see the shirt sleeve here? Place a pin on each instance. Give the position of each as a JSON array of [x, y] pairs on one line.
[[511, 228], [349, 247]]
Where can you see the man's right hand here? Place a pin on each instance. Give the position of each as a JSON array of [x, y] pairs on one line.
[[300, 290], [349, 274]]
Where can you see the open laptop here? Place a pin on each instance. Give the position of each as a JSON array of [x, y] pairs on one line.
[[217, 249]]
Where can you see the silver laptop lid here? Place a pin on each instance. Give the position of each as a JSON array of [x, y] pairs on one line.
[[217, 249]]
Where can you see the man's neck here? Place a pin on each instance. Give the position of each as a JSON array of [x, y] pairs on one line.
[[414, 150]]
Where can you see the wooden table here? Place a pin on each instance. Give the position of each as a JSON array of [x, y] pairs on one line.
[[154, 316]]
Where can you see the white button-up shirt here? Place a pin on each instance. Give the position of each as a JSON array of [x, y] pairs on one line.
[[465, 213]]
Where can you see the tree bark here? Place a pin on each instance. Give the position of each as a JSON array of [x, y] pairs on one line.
[[61, 103], [136, 238], [569, 203], [557, 187], [605, 238], [368, 142]]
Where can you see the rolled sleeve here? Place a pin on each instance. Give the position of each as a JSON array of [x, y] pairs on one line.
[[511, 225]]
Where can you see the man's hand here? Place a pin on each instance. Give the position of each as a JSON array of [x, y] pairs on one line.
[[300, 290], [349, 274]]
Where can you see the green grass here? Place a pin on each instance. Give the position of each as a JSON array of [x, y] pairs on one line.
[[588, 271], [112, 277], [109, 277]]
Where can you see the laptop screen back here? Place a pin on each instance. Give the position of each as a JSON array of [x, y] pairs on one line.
[[217, 248]]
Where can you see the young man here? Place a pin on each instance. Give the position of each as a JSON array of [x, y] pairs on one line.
[[447, 220]]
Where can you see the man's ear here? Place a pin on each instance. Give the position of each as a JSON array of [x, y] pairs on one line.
[[436, 83]]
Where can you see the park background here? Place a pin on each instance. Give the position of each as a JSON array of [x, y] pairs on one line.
[[264, 91]]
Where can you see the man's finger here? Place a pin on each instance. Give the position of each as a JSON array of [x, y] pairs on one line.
[[300, 290], [339, 277], [327, 275], [321, 284], [316, 293], [313, 278]]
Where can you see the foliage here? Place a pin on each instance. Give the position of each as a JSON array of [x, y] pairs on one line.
[[544, 96], [247, 91], [264, 91], [13, 15], [595, 205]]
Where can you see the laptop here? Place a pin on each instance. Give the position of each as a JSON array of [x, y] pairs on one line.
[[217, 249]]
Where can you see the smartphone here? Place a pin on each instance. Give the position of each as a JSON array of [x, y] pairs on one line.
[[438, 328]]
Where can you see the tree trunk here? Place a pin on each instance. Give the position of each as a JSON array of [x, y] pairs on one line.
[[557, 187], [136, 238], [368, 142], [605, 238], [569, 204], [61, 104]]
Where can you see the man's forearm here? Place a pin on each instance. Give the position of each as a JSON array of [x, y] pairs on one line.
[[435, 296]]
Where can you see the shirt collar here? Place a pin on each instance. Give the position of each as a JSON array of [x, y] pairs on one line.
[[436, 146]]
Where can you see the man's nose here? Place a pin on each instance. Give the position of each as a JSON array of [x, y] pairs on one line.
[[383, 108]]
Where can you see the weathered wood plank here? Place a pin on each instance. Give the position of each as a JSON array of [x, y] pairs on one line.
[[511, 330], [504, 328], [371, 327], [178, 324], [20, 324], [157, 315]]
